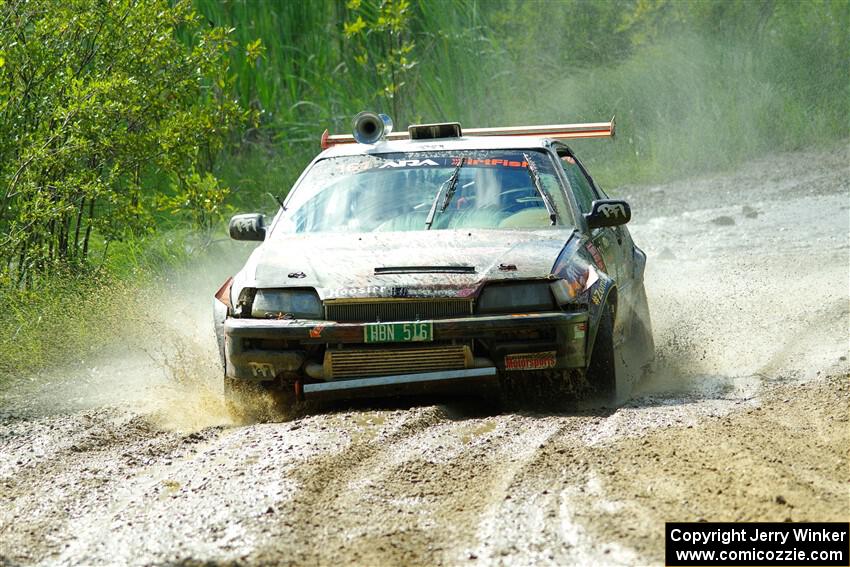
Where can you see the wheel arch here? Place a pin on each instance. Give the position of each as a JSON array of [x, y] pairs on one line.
[[605, 290]]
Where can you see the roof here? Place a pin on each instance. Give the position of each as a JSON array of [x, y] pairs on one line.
[[463, 143]]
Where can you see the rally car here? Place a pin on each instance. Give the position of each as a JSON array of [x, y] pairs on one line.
[[438, 260]]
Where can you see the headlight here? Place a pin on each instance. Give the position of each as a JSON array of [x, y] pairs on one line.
[[287, 303], [516, 298], [577, 280]]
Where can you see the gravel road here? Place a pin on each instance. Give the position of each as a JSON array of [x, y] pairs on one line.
[[133, 458]]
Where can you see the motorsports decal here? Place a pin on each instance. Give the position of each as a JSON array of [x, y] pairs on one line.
[[600, 291], [531, 361]]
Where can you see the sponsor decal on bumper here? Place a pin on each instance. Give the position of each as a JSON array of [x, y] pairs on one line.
[[531, 361]]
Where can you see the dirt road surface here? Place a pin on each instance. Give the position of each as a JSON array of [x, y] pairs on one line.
[[132, 458]]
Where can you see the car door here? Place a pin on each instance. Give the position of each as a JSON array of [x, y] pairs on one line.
[[605, 244], [625, 248]]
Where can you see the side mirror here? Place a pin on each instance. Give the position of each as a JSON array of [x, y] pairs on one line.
[[248, 227], [608, 212]]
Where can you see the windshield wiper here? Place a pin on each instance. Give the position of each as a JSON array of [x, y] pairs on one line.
[[447, 191], [535, 180], [452, 185]]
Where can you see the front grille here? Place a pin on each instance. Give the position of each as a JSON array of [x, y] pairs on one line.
[[358, 363], [396, 310]]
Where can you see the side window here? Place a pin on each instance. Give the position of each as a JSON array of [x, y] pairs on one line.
[[581, 186]]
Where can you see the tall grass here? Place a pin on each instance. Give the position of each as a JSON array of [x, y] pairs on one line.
[[308, 80], [729, 82], [692, 99], [688, 105]]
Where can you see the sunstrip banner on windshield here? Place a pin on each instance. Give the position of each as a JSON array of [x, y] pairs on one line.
[[504, 161]]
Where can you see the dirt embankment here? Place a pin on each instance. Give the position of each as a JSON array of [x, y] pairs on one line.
[[132, 460]]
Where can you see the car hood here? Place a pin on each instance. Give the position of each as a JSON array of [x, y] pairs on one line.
[[409, 264]]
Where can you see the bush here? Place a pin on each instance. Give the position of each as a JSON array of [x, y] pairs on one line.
[[100, 103]]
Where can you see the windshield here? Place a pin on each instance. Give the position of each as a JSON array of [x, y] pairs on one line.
[[396, 192]]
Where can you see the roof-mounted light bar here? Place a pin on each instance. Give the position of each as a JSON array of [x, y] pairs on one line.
[[559, 131], [434, 131]]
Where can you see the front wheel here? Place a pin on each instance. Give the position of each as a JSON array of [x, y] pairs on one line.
[[542, 389], [602, 371], [257, 401]]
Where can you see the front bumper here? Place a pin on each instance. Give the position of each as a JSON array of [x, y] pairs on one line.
[[449, 381], [264, 349]]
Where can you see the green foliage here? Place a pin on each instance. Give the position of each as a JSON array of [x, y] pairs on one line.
[[199, 197], [326, 60], [99, 100], [382, 42]]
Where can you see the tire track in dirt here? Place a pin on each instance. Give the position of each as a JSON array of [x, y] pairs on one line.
[[228, 494], [783, 459], [406, 480], [46, 492], [533, 505], [426, 493]]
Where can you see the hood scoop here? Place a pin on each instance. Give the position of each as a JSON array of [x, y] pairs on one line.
[[425, 270]]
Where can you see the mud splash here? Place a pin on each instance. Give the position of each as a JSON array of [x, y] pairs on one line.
[[762, 297], [162, 363]]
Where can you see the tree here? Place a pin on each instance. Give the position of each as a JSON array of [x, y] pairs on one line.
[[382, 41], [104, 113]]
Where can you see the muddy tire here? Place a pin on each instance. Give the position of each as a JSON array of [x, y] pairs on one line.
[[602, 371], [546, 389], [638, 350]]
